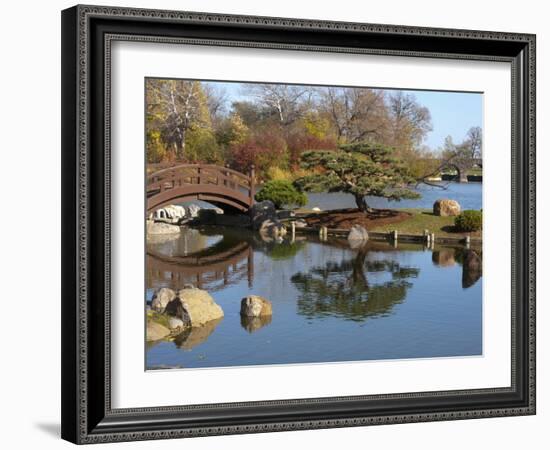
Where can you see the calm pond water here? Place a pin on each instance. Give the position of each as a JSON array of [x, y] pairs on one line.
[[468, 195], [330, 303]]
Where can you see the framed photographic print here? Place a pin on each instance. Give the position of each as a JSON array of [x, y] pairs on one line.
[[281, 224]]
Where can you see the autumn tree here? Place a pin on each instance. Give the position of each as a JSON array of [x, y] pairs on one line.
[[285, 103], [251, 114], [473, 142], [216, 101], [173, 107], [264, 149], [232, 130], [409, 121], [469, 148], [360, 169], [357, 114]]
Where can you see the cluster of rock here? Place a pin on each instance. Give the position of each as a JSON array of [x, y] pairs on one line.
[[265, 220], [171, 214], [166, 220], [184, 312]]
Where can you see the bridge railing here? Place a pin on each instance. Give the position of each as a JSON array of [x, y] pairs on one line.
[[201, 174]]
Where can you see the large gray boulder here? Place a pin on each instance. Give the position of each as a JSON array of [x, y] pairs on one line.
[[262, 211], [357, 236], [194, 307], [255, 306], [446, 207], [161, 298]]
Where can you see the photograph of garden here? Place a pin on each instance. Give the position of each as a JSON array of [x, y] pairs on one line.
[[297, 224]]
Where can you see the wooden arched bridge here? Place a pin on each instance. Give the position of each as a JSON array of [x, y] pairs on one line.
[[218, 185]]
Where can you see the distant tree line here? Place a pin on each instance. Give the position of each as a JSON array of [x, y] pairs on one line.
[[469, 148], [191, 121]]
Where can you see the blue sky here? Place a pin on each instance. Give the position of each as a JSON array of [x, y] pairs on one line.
[[453, 113]]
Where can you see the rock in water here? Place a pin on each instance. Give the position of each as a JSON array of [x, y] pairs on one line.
[[161, 298], [156, 331], [272, 229], [262, 211], [194, 307], [357, 236], [255, 306], [446, 207], [161, 228]]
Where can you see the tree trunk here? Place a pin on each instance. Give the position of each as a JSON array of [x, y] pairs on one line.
[[361, 203], [180, 151]]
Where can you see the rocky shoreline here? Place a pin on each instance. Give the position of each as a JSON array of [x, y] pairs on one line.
[[189, 315]]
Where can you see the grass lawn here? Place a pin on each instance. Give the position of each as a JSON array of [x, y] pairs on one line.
[[425, 220], [404, 220]]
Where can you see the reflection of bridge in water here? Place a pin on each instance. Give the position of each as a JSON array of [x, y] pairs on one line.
[[203, 269]]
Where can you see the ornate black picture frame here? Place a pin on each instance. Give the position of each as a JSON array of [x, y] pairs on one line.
[[87, 34]]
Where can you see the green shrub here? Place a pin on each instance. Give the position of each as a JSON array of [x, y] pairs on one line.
[[281, 193], [469, 220]]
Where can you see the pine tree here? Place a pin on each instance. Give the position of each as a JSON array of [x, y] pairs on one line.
[[361, 169]]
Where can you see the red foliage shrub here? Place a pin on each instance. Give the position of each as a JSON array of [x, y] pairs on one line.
[[263, 150], [297, 143]]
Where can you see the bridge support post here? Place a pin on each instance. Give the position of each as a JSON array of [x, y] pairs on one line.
[[462, 169], [252, 183]]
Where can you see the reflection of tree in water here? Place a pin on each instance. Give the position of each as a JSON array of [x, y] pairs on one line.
[[281, 251], [343, 289]]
